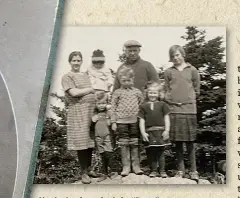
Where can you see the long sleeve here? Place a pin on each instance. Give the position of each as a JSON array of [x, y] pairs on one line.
[[116, 83], [167, 80], [182, 87], [114, 104], [91, 77], [167, 85], [196, 81], [152, 73], [140, 98]]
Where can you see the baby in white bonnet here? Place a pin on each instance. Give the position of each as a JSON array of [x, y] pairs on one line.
[[100, 76]]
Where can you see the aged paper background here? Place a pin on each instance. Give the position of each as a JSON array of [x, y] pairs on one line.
[[26, 29], [163, 13]]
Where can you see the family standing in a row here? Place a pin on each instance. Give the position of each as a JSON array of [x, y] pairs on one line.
[[135, 106]]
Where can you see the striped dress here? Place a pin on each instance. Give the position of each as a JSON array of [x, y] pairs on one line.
[[79, 112]]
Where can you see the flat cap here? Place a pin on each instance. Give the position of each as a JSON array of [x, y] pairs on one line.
[[131, 43]]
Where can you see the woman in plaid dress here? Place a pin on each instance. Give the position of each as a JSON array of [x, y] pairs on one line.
[[183, 86], [81, 104]]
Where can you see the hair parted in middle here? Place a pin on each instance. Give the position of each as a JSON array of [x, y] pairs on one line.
[[72, 54], [126, 72], [175, 48]]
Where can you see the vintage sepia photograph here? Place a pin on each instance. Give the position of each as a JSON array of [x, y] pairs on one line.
[[136, 105]]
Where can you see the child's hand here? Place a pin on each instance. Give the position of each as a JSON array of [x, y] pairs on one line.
[[165, 135], [95, 118], [108, 107], [114, 126], [145, 137]]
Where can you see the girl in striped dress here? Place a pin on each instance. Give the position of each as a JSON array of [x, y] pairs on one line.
[[81, 103]]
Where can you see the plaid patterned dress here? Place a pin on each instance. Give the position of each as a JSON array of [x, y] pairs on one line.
[[79, 113]]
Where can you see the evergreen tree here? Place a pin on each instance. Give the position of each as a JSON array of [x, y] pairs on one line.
[[207, 57]]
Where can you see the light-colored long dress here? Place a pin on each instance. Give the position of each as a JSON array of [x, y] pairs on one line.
[[79, 113]]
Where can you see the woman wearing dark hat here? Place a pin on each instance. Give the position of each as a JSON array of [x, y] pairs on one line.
[[81, 104]]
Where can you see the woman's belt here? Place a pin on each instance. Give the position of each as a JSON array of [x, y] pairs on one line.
[[155, 128], [181, 103]]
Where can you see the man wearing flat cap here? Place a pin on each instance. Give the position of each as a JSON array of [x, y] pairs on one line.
[[143, 70]]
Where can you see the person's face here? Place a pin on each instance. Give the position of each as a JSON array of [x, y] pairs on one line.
[[153, 95], [132, 53], [126, 82], [101, 106], [98, 64], [76, 63], [177, 58]]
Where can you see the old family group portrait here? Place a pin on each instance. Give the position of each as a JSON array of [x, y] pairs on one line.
[[139, 123]]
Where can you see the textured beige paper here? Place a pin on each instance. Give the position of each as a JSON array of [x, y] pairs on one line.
[[163, 13]]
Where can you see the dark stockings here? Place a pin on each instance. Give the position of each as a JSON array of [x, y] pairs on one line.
[[85, 159], [155, 156], [191, 155]]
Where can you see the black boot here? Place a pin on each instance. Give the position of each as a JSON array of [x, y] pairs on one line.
[[153, 161], [161, 162], [104, 168], [82, 156], [112, 164], [91, 172]]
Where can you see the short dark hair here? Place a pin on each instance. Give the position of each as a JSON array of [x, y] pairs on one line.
[[72, 54]]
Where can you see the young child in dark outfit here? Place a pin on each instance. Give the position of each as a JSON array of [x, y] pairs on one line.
[[154, 126], [103, 139]]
